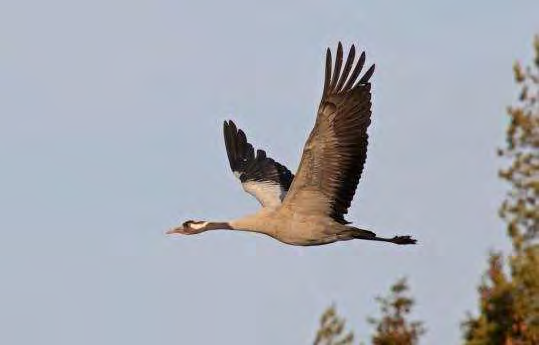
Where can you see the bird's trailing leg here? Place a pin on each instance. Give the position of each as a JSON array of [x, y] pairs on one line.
[[361, 234], [406, 239]]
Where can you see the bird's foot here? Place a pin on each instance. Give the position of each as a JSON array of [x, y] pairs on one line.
[[403, 240]]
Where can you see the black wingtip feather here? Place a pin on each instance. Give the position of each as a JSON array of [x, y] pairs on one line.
[[347, 68], [229, 134], [327, 77], [251, 167], [337, 71], [367, 75], [340, 81], [355, 73]]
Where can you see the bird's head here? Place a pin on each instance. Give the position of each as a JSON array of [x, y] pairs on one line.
[[190, 227]]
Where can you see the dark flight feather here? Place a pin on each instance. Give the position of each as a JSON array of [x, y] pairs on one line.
[[258, 168], [335, 153]]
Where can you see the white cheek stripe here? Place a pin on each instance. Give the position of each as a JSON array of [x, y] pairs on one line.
[[198, 226]]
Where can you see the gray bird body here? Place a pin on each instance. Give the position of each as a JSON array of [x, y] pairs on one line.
[[308, 209], [291, 228]]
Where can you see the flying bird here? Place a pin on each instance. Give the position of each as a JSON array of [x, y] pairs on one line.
[[308, 209]]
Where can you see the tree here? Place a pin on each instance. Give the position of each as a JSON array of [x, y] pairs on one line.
[[331, 330], [393, 328], [509, 302]]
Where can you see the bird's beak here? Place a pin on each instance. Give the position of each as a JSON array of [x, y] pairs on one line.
[[178, 230]]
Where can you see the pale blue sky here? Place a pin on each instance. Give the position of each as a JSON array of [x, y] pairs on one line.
[[110, 133]]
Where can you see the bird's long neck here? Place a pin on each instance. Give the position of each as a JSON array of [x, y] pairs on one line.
[[241, 224], [253, 223], [257, 222], [217, 226]]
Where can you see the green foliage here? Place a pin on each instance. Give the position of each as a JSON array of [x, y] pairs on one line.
[[521, 208], [393, 328], [497, 314], [509, 303], [332, 331]]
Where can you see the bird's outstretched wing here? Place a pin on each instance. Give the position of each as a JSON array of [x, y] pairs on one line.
[[335, 152], [260, 176]]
